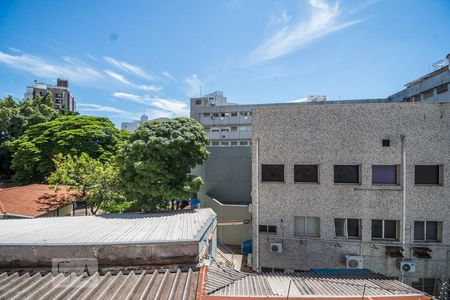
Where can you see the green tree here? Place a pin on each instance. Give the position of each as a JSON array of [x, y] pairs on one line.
[[35, 149], [154, 164], [16, 117], [95, 182]]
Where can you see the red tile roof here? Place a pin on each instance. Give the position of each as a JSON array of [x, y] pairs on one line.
[[33, 200]]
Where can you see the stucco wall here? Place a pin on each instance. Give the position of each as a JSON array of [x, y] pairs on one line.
[[330, 134]]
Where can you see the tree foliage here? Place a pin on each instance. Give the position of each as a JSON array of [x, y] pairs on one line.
[[154, 164], [35, 149], [96, 182], [16, 117]]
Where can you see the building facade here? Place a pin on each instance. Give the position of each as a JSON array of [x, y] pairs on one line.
[[433, 86], [133, 125], [226, 124], [62, 97], [353, 185]]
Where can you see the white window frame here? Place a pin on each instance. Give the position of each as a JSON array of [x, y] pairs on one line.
[[439, 231], [397, 230], [306, 226]]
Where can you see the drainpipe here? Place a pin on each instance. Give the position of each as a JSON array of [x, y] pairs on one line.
[[402, 137], [256, 204]]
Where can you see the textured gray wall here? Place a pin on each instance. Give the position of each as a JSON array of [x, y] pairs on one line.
[[329, 134], [227, 175]]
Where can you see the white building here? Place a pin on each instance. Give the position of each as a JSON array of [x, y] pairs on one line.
[[62, 96], [133, 125]]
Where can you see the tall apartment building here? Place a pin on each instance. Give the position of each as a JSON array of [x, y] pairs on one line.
[[433, 86], [353, 184], [226, 124], [61, 93]]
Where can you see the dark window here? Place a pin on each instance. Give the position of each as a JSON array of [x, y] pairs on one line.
[[384, 174], [234, 114], [348, 228], [426, 231], [426, 174], [386, 143], [306, 173], [268, 228], [442, 88], [278, 270], [198, 102], [384, 229], [272, 173], [346, 174], [353, 229], [427, 94]]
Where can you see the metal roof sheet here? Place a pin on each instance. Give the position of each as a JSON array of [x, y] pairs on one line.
[[167, 284], [313, 285], [127, 228]]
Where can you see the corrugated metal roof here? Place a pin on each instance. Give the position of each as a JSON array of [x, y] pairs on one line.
[[127, 228], [313, 285], [221, 276], [168, 284]]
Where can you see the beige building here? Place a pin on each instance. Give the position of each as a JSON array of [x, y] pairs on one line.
[[353, 184]]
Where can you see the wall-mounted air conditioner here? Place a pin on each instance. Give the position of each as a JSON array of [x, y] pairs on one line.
[[276, 247], [407, 266], [354, 261]]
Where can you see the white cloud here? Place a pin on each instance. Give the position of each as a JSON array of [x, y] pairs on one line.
[[176, 107], [99, 108], [168, 75], [133, 97], [127, 67], [122, 79], [323, 20], [74, 70], [282, 18], [118, 77], [194, 86]]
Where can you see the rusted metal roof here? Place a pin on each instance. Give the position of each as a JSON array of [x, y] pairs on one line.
[[126, 228], [166, 284]]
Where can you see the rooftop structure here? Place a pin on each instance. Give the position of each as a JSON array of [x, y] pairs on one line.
[[207, 282], [33, 201], [433, 86], [161, 238], [63, 98]]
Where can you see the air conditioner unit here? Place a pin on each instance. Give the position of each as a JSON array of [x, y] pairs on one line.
[[354, 261], [407, 266], [276, 247]]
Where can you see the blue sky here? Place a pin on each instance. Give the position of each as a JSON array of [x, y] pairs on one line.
[[125, 58]]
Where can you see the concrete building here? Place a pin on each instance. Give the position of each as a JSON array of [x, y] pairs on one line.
[[433, 86], [133, 125], [63, 98], [353, 184], [167, 238], [226, 124], [35, 201]]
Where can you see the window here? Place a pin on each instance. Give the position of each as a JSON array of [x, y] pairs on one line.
[[234, 114], [233, 143], [306, 173], [233, 128], [272, 173], [442, 88], [243, 143], [244, 128], [268, 229], [206, 114], [206, 129], [222, 114], [271, 270], [427, 94], [215, 114], [427, 231], [424, 174], [215, 130], [307, 226], [348, 228], [225, 129], [224, 143], [385, 229], [386, 143], [198, 102], [346, 174], [384, 174], [214, 143]]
